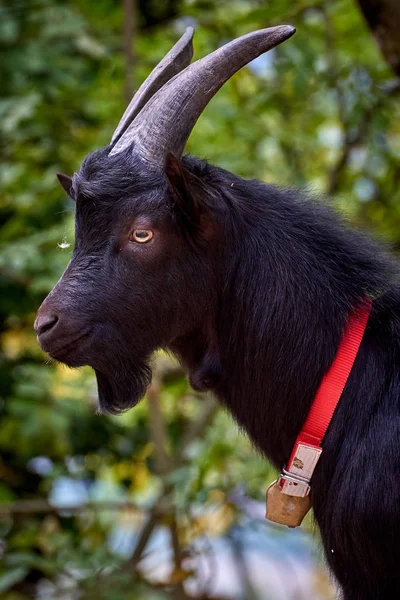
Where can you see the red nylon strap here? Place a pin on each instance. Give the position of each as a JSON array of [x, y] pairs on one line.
[[334, 381]]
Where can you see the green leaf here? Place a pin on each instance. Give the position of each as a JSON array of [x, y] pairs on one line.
[[13, 576]]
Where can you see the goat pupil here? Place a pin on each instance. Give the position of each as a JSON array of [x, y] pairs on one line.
[[141, 235]]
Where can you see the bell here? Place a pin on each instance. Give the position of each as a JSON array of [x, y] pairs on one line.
[[284, 509]]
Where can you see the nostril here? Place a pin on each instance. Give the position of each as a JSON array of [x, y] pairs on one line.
[[45, 323]]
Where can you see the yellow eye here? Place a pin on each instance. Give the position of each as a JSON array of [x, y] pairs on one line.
[[142, 235]]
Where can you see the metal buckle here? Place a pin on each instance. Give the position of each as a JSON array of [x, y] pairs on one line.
[[301, 485]]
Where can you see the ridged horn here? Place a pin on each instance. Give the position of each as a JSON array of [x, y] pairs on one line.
[[165, 122], [175, 61]]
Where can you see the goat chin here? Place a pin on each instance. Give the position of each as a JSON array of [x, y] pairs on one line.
[[120, 391]]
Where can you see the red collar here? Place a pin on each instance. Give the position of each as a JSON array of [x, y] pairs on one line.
[[296, 477]]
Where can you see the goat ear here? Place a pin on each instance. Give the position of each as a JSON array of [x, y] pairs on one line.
[[189, 193], [66, 183], [185, 188]]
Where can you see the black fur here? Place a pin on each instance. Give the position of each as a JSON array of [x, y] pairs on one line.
[[250, 286]]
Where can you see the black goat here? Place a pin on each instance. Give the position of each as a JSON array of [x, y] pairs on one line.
[[250, 286]]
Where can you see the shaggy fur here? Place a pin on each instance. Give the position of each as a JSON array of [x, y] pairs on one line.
[[250, 286]]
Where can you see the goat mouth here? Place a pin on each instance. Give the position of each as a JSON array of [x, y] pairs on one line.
[[69, 351]]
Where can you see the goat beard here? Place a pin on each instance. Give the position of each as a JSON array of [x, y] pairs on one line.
[[121, 388]]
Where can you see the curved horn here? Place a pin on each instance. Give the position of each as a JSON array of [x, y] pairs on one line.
[[175, 61], [166, 121]]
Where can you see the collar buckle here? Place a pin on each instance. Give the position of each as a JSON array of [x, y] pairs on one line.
[[293, 485]]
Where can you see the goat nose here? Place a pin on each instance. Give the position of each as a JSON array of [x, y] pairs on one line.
[[45, 323]]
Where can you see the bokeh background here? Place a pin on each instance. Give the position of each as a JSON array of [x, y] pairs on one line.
[[166, 501]]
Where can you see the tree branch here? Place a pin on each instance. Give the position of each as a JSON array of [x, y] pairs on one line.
[[29, 507], [129, 35], [356, 136], [383, 18], [160, 506], [196, 428], [157, 425], [145, 535]]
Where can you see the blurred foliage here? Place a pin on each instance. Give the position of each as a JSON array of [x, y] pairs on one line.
[[322, 111]]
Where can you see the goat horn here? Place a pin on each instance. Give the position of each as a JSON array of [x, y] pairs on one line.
[[175, 61], [166, 121]]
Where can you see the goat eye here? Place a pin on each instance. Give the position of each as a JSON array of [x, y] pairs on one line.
[[141, 235]]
